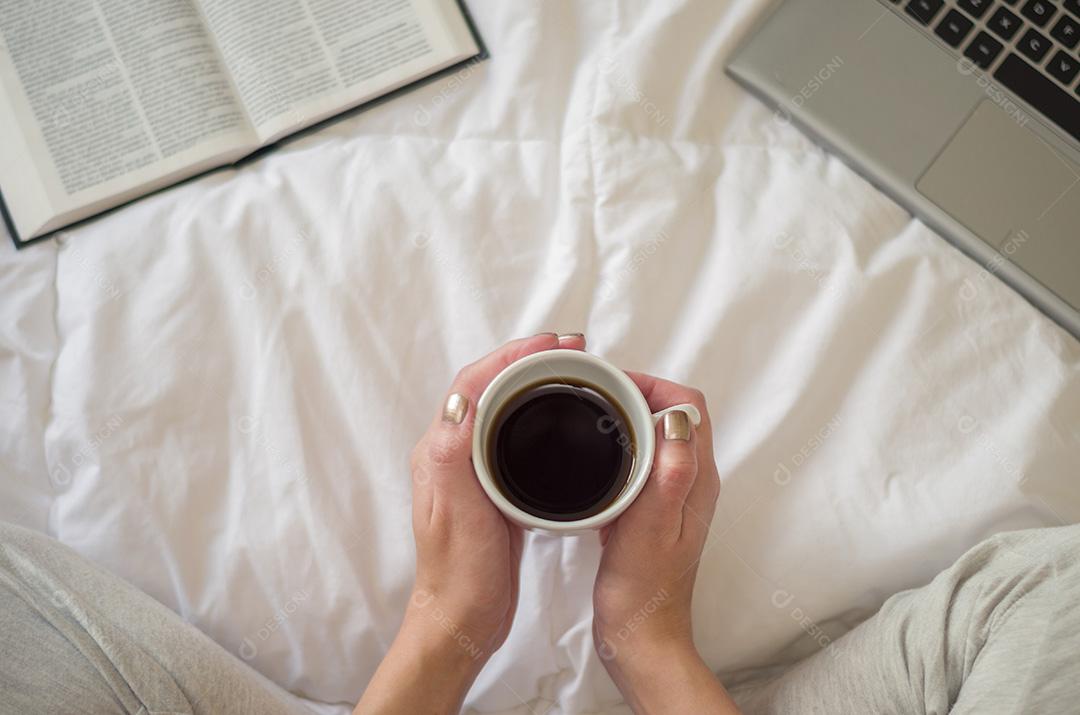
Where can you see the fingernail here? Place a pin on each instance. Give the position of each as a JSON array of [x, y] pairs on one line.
[[455, 408], [677, 426], [551, 335], [571, 336]]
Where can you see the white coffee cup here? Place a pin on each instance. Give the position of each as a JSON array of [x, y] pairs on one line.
[[573, 366]]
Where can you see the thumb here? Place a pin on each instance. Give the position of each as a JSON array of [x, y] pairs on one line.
[[446, 449], [659, 507]]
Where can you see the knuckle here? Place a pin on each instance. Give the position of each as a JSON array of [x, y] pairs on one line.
[[679, 467], [442, 451]]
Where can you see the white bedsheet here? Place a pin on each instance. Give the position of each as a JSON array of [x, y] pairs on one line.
[[213, 392]]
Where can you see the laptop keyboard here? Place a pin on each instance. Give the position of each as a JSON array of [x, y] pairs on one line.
[[1029, 47]]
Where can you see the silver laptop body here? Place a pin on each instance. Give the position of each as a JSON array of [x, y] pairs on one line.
[[981, 145]]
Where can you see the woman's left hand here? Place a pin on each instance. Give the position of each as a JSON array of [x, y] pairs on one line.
[[468, 557]]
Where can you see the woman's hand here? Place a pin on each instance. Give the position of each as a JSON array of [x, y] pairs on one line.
[[467, 557], [643, 591]]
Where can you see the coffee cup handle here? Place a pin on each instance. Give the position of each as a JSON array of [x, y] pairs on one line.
[[691, 412]]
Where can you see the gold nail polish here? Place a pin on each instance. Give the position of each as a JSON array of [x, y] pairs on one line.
[[677, 426], [455, 408]]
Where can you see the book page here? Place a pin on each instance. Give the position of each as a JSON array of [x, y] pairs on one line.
[[297, 62], [273, 52], [106, 96], [367, 38]]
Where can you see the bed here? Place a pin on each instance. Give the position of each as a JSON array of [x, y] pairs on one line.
[[213, 392]]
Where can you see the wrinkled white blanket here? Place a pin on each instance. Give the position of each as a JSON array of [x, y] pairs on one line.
[[213, 392]]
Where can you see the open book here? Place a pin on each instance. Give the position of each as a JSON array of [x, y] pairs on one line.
[[104, 101]]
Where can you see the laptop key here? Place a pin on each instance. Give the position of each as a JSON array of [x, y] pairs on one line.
[[924, 10], [1035, 88], [954, 28], [1066, 31], [1063, 66], [1034, 45], [1004, 23], [983, 50], [1073, 6], [1039, 11], [977, 8]]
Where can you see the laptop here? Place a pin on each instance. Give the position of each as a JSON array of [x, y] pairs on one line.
[[966, 112]]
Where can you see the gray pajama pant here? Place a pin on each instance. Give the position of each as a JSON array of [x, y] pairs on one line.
[[998, 632]]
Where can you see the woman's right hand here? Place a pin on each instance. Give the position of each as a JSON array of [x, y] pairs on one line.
[[645, 584]]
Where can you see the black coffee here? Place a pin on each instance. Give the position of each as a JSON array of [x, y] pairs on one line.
[[561, 451]]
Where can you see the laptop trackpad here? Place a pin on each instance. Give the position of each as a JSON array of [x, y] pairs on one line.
[[1015, 192]]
